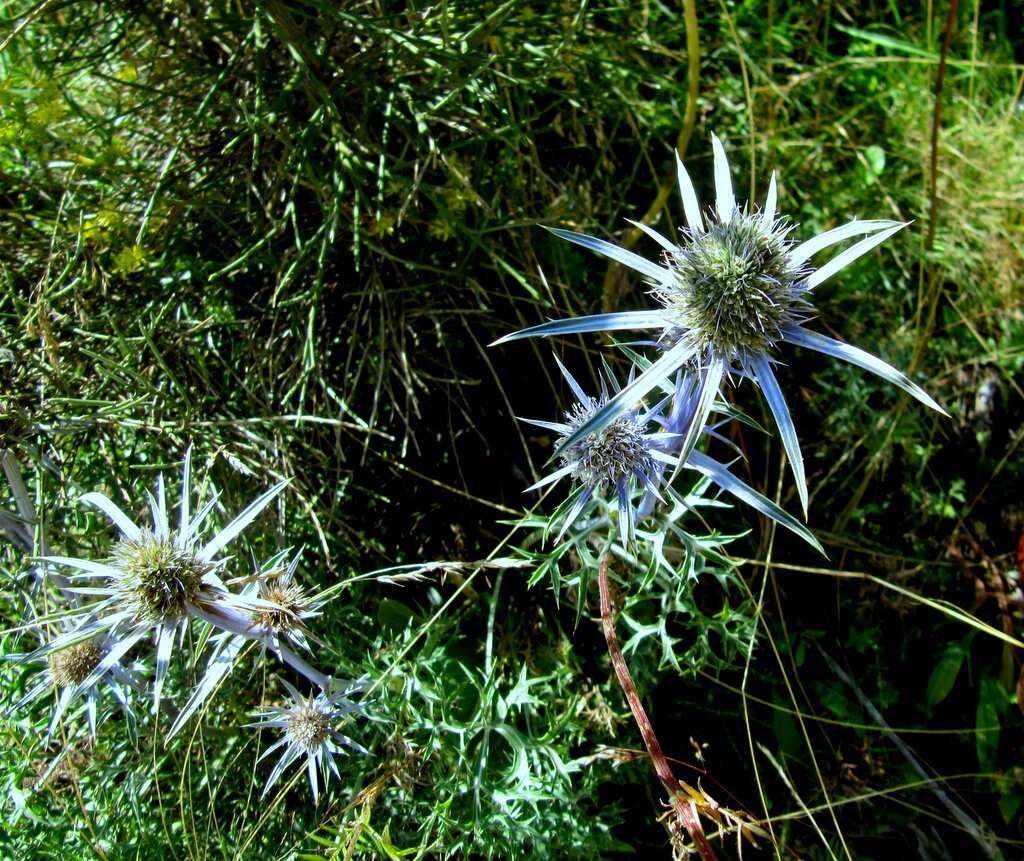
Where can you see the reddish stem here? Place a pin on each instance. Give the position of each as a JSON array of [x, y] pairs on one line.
[[684, 807]]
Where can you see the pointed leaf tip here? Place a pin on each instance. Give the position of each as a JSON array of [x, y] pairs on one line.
[[780, 412], [691, 205], [862, 359], [725, 200]]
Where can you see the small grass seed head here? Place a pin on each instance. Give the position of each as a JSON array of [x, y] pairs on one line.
[[609, 455], [734, 286], [72, 666], [308, 727], [159, 579]]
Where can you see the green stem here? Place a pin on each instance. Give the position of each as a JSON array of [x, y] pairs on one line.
[[610, 292]]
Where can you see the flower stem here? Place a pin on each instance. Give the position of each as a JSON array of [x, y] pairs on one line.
[[685, 808]]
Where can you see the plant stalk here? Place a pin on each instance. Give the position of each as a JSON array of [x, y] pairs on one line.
[[684, 807]]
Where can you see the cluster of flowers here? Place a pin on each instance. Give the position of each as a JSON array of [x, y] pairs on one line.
[[158, 581], [729, 293]]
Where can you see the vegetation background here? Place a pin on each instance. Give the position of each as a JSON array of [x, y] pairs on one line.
[[285, 231]]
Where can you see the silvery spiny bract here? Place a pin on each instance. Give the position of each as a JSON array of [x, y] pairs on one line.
[[730, 291], [677, 424]]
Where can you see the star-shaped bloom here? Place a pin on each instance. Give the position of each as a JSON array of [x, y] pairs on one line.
[[157, 579], [287, 606], [628, 455], [75, 672], [309, 730], [613, 459], [730, 291]]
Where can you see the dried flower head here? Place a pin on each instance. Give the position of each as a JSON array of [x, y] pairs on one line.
[[80, 669], [283, 607], [73, 665], [288, 600]]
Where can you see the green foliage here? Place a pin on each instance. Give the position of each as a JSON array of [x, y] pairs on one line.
[[943, 677]]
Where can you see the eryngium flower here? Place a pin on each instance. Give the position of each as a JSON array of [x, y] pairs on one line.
[[731, 290], [286, 606], [612, 459], [308, 725], [157, 578], [76, 671]]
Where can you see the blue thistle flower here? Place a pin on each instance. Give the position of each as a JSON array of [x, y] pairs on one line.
[[158, 579], [624, 457], [308, 729], [730, 292], [612, 459]]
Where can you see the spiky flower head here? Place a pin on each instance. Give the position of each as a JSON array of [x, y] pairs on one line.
[[73, 665], [158, 579], [613, 454], [288, 598], [286, 604], [734, 287], [282, 605], [309, 728], [80, 669], [615, 459]]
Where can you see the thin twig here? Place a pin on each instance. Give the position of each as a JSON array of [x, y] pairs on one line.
[[934, 284], [685, 808], [933, 170], [610, 292], [969, 825]]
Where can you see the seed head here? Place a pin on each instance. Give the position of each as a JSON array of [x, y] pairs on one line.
[[604, 458], [734, 286], [308, 727], [159, 579], [72, 666]]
